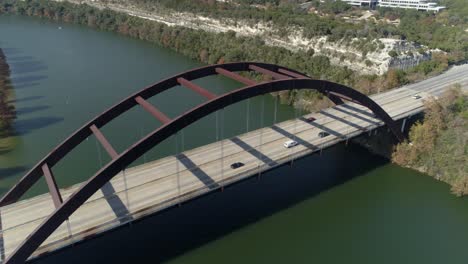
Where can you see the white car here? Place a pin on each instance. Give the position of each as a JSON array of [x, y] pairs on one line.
[[290, 144], [416, 96]]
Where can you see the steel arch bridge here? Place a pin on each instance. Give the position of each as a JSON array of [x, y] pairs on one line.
[[283, 79]]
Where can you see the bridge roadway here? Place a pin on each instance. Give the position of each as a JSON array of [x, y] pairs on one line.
[[153, 186]]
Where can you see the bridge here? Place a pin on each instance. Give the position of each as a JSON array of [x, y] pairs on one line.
[[118, 194]]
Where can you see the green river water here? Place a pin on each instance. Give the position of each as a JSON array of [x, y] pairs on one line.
[[346, 206]]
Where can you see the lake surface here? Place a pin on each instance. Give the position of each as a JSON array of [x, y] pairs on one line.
[[346, 206]]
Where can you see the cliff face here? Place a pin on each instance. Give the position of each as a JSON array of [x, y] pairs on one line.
[[376, 60]]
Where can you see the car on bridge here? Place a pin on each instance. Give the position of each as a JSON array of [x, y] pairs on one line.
[[323, 134], [290, 144], [236, 165]]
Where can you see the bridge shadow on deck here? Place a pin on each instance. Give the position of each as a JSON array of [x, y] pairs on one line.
[[198, 172], [259, 155], [342, 120], [118, 207], [294, 137], [350, 107], [360, 115], [324, 128], [166, 235]]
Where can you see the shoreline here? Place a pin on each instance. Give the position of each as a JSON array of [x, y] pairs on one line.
[[210, 48], [7, 109]]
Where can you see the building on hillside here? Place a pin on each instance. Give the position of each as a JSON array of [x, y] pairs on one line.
[[370, 3], [410, 4]]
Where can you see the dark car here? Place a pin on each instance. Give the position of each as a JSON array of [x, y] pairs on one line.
[[323, 134], [237, 165], [310, 119]]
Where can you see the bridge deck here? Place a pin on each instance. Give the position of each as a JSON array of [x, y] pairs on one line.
[[156, 185]]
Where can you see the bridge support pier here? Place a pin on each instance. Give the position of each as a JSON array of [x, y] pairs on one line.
[[403, 125]]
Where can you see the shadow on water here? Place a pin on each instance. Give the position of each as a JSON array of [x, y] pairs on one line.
[[20, 58], [28, 125], [31, 109], [27, 79], [25, 67], [12, 171], [11, 51], [4, 151], [26, 99], [25, 85], [176, 231]]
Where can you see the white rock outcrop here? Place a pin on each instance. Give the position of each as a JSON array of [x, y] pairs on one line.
[[340, 52]]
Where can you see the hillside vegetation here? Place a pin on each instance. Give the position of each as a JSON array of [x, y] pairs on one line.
[[444, 30], [439, 144], [209, 47]]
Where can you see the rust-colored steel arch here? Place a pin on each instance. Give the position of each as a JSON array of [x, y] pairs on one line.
[[286, 79], [185, 78]]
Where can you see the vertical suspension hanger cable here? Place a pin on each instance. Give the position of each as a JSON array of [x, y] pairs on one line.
[[141, 136], [182, 145], [222, 148], [247, 115], [294, 132], [98, 149], [177, 165], [297, 123], [217, 133], [217, 126], [262, 113], [126, 189], [70, 235], [347, 133], [275, 111]]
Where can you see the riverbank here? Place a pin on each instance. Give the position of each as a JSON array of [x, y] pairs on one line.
[[439, 143], [7, 109], [209, 47], [287, 29]]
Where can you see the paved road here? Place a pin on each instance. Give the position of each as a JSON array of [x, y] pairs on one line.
[[148, 188], [437, 85]]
